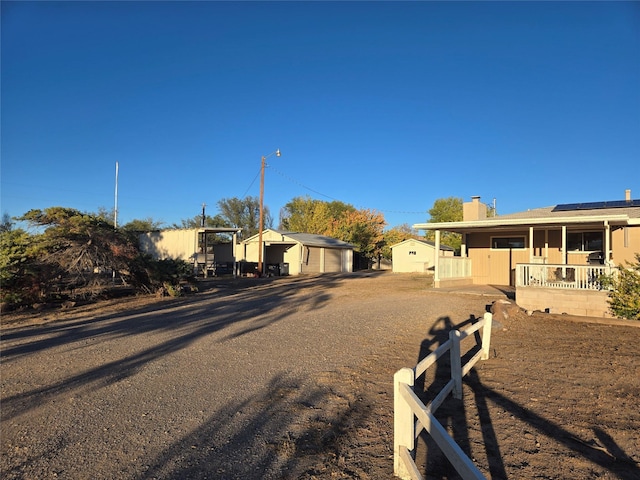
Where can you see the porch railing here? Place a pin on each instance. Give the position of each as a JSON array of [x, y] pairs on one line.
[[580, 277], [454, 267]]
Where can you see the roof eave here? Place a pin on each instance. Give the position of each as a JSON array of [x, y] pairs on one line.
[[526, 222]]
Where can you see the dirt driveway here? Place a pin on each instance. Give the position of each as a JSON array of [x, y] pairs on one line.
[[292, 378]]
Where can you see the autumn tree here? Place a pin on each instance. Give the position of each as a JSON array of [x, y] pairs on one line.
[[361, 228], [396, 235], [307, 215]]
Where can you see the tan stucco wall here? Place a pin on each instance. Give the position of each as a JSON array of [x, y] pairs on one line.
[[493, 266], [625, 253], [573, 302], [176, 244]]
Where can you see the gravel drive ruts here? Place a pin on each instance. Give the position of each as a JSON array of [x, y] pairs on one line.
[[275, 378]]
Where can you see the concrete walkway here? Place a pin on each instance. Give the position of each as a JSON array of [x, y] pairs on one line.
[[501, 291]]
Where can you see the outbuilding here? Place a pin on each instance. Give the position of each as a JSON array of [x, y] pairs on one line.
[[212, 251], [416, 255], [293, 253]]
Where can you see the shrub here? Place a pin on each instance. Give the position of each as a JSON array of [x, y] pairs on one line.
[[154, 274], [624, 294]]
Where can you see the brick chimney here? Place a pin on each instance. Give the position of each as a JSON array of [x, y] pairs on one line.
[[474, 210], [627, 195]]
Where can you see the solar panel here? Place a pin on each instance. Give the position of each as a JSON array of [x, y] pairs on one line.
[[572, 207]]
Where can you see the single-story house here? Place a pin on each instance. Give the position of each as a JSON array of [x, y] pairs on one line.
[[416, 255], [560, 248], [211, 250], [294, 253]]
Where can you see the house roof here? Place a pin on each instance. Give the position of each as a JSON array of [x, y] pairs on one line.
[[201, 230], [573, 214], [316, 240], [425, 242], [308, 239]]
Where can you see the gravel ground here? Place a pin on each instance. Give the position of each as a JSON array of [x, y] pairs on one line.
[[292, 378]]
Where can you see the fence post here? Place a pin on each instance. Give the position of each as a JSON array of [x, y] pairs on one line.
[[403, 422], [486, 335], [456, 363]]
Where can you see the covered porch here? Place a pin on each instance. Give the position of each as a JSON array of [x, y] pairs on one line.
[[492, 250]]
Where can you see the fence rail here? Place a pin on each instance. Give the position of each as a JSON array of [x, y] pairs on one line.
[[580, 277], [411, 416]]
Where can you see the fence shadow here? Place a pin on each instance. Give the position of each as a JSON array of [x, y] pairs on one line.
[[452, 413], [611, 458]]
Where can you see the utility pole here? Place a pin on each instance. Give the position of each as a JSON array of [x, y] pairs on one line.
[[261, 221], [204, 205], [115, 208]]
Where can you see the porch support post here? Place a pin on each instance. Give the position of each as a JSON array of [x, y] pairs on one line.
[[546, 245], [206, 270], [607, 242], [564, 245], [436, 260], [531, 252], [463, 246], [234, 252]]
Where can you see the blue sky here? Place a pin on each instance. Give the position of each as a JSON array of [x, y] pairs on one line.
[[383, 105]]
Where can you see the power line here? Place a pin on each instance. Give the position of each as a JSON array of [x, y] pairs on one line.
[[302, 185], [251, 185], [335, 199]]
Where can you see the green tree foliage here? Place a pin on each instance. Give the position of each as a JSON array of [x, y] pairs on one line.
[[396, 235], [77, 244], [76, 250], [161, 275], [142, 225], [16, 270], [624, 296], [6, 224], [446, 210], [209, 222], [244, 213]]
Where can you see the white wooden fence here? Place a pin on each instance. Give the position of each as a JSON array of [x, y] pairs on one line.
[[408, 407], [454, 267], [580, 277]]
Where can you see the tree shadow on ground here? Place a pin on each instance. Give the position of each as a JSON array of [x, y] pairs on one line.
[[283, 432], [240, 310]]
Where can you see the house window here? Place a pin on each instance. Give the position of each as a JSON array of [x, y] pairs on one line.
[[499, 243], [584, 241]]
